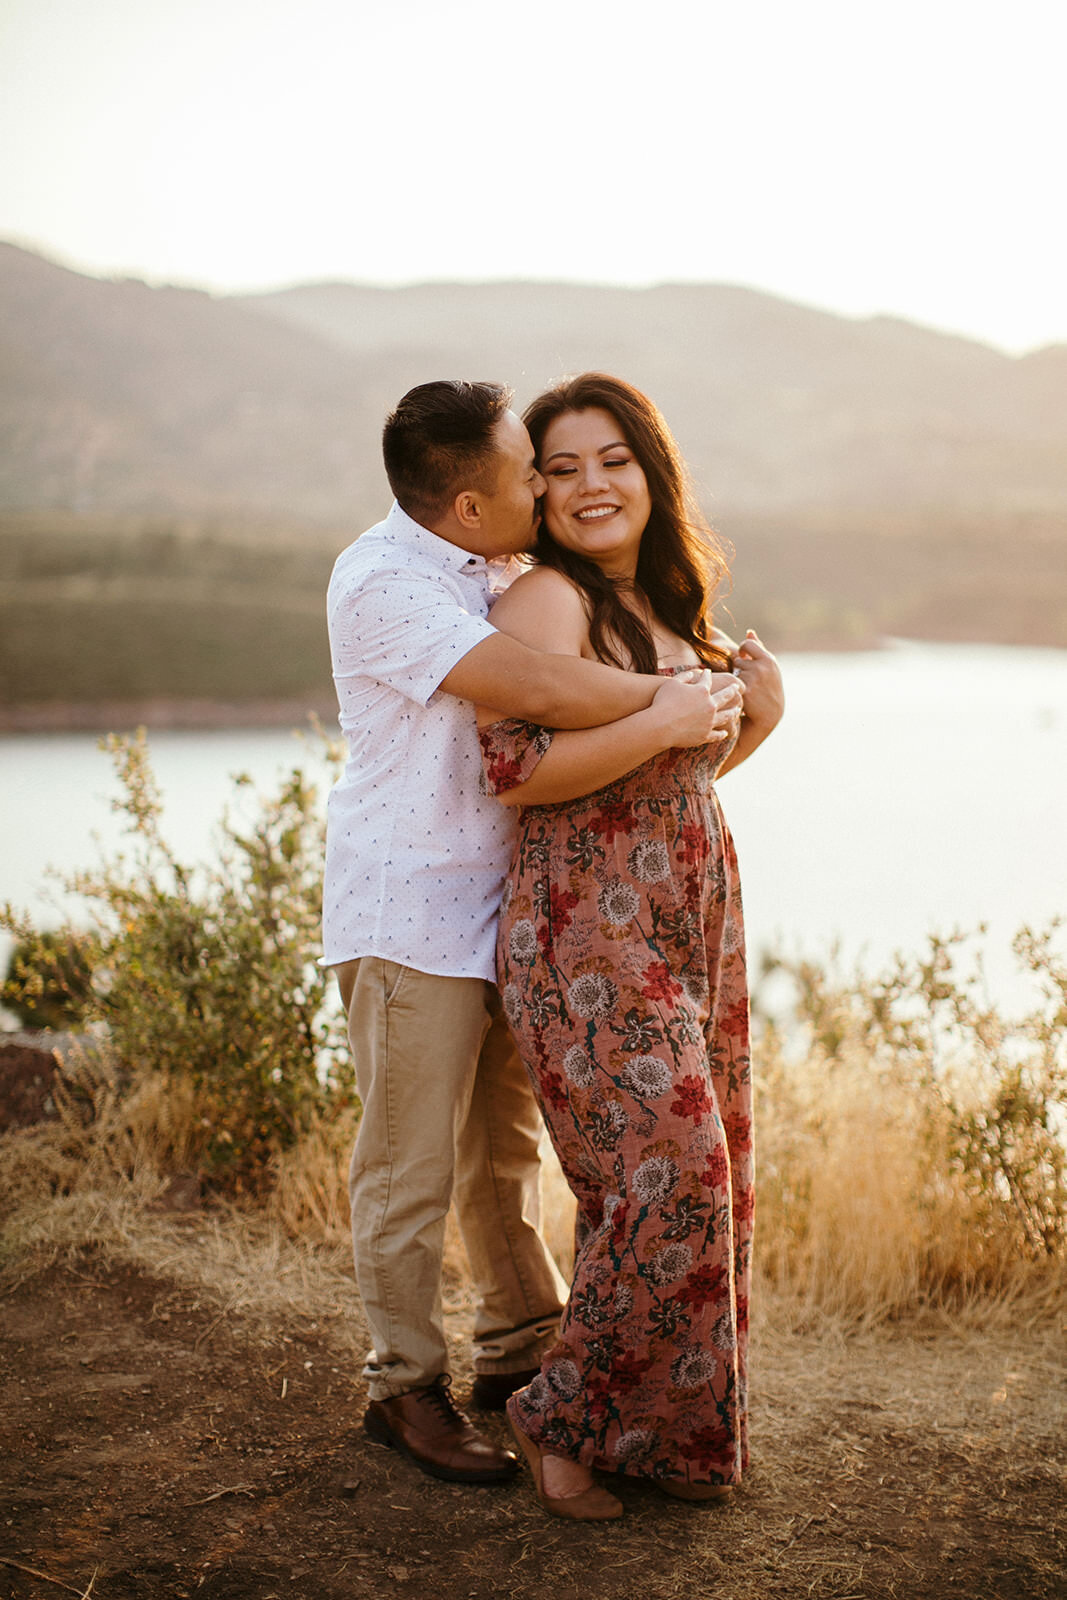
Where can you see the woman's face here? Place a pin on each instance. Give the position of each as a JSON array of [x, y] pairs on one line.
[[597, 501]]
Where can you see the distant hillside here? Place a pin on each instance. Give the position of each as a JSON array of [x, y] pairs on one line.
[[115, 397], [778, 407], [118, 397]]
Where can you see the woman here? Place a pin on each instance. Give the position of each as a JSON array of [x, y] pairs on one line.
[[621, 962]]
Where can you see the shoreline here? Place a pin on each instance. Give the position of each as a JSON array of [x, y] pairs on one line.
[[164, 715]]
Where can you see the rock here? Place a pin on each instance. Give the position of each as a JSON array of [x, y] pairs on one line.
[[27, 1079]]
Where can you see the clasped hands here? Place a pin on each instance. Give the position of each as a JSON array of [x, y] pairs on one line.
[[705, 707], [699, 706]]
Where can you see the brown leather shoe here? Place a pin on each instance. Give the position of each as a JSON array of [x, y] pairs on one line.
[[492, 1390], [425, 1426]]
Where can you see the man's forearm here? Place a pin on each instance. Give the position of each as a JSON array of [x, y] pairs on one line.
[[575, 693], [557, 691]]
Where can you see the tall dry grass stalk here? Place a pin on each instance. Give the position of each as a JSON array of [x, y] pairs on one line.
[[860, 1212], [110, 1151], [910, 1142], [309, 1195]]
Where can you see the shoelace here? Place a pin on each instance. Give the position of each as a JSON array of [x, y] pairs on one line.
[[438, 1395]]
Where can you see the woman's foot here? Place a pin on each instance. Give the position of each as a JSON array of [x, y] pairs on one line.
[[563, 1478], [569, 1490]]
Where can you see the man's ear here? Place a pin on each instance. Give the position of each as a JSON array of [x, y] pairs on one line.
[[468, 510]]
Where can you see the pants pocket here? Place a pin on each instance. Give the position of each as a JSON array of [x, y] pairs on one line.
[[393, 978]]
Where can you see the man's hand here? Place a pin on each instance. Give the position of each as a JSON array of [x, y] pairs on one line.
[[693, 714], [761, 681]]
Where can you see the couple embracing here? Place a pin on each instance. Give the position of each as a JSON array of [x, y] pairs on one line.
[[530, 887]]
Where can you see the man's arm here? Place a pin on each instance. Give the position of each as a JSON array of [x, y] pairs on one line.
[[557, 690]]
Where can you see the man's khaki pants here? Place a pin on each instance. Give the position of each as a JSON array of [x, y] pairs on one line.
[[447, 1113]]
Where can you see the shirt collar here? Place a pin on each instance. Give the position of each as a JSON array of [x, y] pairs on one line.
[[402, 529]]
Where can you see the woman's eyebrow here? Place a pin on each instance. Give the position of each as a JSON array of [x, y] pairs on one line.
[[572, 455]]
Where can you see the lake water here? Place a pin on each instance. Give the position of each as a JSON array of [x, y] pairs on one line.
[[913, 789]]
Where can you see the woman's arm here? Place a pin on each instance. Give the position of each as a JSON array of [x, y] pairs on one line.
[[544, 606]]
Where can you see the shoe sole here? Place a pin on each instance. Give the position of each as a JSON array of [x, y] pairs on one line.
[[382, 1435], [698, 1494], [592, 1505]]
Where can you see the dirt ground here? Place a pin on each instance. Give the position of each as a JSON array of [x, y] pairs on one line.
[[160, 1438]]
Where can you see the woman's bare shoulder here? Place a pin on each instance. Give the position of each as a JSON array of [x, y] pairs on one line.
[[544, 608], [544, 582]]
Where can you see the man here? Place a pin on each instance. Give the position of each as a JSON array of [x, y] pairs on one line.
[[415, 860]]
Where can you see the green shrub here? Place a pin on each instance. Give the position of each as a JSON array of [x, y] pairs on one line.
[[1000, 1081], [206, 976], [49, 979]]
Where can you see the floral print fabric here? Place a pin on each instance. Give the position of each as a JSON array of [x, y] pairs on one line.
[[510, 751], [621, 964]]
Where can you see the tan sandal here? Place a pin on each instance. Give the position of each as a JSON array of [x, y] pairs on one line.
[[592, 1505]]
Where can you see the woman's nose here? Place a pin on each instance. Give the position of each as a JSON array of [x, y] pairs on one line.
[[592, 477]]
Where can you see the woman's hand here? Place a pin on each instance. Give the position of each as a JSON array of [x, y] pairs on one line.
[[762, 683], [692, 714], [721, 680]]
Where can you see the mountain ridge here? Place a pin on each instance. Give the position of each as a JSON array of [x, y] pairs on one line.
[[117, 397]]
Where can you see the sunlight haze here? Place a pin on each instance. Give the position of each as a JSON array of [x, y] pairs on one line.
[[903, 159]]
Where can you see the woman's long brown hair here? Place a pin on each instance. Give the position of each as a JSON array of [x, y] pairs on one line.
[[681, 563]]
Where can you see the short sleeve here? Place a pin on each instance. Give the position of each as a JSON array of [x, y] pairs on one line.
[[511, 750], [402, 628]]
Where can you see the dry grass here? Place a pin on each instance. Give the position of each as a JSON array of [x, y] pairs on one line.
[[861, 1216], [309, 1197]]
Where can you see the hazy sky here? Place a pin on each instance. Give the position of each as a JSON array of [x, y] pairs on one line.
[[857, 155]]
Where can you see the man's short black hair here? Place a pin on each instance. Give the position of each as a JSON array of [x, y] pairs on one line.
[[439, 441]]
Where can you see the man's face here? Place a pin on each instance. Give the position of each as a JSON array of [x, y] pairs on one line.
[[510, 517]]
